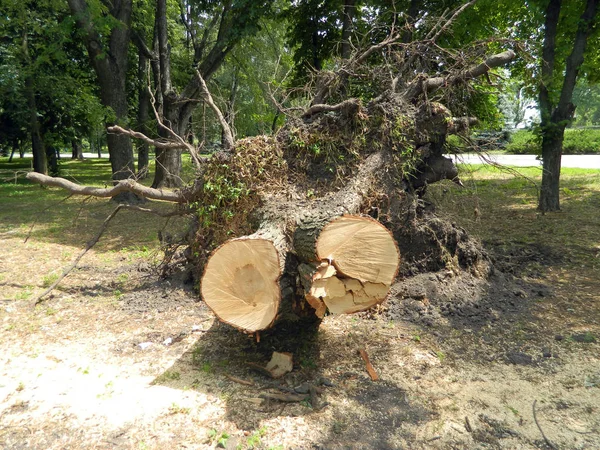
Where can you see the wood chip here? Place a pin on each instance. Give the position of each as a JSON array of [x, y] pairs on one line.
[[239, 380], [368, 364]]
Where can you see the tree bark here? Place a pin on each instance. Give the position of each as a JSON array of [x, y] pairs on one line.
[[143, 116], [551, 157], [40, 163], [296, 255], [177, 109], [555, 118], [53, 156], [110, 65], [347, 28], [76, 150]]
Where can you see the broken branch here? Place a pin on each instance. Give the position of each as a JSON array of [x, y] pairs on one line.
[[71, 266], [370, 368], [227, 134], [155, 142], [93, 242], [350, 105], [428, 85], [127, 185]]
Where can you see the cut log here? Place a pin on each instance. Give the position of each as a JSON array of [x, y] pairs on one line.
[[314, 243], [241, 283], [359, 261], [354, 262]]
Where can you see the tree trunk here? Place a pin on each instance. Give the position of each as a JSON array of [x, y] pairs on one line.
[[143, 115], [53, 157], [354, 263], [551, 158], [77, 150], [347, 28], [555, 119], [110, 65], [168, 161], [40, 163]]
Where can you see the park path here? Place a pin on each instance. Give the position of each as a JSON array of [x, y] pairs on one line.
[[573, 161]]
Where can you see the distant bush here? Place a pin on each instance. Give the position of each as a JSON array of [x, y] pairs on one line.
[[578, 141]]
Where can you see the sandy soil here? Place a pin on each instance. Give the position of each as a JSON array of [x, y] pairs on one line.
[[462, 363]]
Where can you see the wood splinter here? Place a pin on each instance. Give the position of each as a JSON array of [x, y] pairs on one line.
[[370, 368]]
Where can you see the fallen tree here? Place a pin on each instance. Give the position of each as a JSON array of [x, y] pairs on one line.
[[321, 213]]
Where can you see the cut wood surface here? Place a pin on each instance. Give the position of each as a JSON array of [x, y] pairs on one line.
[[359, 262], [241, 283]]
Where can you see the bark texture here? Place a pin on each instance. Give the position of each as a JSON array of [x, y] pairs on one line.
[[555, 117], [110, 64]]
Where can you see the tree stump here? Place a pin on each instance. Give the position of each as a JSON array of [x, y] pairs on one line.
[[352, 268]]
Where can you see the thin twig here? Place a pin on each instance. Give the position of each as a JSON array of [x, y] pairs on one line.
[[93, 242], [42, 213], [141, 136], [239, 380], [550, 444], [71, 266]]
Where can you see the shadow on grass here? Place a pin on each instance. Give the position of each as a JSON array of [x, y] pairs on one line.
[[76, 220]]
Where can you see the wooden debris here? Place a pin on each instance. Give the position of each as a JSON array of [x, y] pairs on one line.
[[468, 426], [239, 380], [370, 368], [280, 364]]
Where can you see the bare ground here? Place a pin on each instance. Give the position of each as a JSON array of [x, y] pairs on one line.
[[461, 361]]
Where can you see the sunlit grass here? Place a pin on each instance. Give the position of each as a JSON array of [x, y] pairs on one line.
[[501, 205], [75, 220]]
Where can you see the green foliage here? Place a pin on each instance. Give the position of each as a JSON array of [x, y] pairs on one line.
[[38, 47], [576, 142]]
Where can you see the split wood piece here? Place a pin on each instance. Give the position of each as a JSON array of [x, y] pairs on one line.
[[360, 261], [239, 380], [280, 364], [369, 366], [241, 283]]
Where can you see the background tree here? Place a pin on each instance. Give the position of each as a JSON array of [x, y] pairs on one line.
[[105, 29], [558, 80], [212, 30], [47, 88]]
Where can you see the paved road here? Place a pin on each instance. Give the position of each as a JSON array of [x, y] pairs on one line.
[[577, 161]]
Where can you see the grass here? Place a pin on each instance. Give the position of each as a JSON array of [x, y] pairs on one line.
[[72, 221], [502, 204]]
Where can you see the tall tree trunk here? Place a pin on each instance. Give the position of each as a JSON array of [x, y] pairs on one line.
[[168, 161], [555, 118], [143, 116], [347, 27], [53, 156], [110, 64], [551, 157], [40, 163], [76, 149]]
